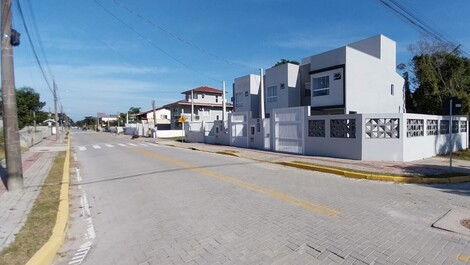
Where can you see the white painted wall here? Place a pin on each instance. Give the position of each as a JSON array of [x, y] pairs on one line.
[[368, 85], [334, 147], [169, 133]]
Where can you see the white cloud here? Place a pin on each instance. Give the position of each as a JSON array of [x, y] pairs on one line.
[[88, 89]]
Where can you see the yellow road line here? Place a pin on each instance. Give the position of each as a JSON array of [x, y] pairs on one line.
[[313, 207]]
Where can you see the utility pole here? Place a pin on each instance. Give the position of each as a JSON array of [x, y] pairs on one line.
[[261, 92], [224, 108], [451, 132], [56, 118], [154, 114], [34, 125], [10, 111], [192, 105]]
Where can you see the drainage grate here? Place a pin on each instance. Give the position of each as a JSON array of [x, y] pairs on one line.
[[465, 223]]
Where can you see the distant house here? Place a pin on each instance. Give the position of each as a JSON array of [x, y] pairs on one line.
[[162, 118], [207, 104], [104, 118]]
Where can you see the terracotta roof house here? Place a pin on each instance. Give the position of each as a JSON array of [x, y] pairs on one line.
[[162, 117], [207, 103]]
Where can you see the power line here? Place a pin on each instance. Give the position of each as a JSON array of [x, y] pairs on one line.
[[176, 36], [32, 46], [410, 18], [151, 42], [39, 39]]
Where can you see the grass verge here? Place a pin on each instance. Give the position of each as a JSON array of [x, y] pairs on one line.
[[462, 155], [40, 221]]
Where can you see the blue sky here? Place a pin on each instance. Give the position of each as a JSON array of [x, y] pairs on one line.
[[102, 66]]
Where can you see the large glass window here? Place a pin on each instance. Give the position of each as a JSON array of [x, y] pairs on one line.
[[271, 94], [321, 86]]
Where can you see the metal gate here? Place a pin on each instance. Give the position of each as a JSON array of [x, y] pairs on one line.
[[239, 129], [288, 131]]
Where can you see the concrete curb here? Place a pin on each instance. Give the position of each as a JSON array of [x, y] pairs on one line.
[[377, 177], [229, 153], [45, 255], [345, 172]]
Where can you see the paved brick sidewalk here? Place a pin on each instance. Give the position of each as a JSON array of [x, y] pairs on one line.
[[430, 166], [15, 206]]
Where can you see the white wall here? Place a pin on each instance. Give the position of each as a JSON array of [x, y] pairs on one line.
[[169, 133], [368, 85], [334, 147]]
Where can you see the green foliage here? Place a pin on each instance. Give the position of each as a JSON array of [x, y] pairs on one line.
[[27, 101], [439, 75], [88, 121], [284, 61], [134, 110]]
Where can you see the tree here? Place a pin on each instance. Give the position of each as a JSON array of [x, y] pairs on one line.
[[283, 61], [27, 101], [409, 101], [134, 110], [441, 72]]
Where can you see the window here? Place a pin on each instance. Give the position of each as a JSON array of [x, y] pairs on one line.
[[202, 95], [217, 117], [282, 86], [216, 99], [238, 99], [246, 93], [321, 86], [272, 94], [392, 89], [252, 130]]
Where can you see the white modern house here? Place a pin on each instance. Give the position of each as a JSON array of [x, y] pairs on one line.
[[339, 81], [281, 89], [347, 103], [360, 77]]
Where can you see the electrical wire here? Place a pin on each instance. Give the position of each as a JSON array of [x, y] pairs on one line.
[[177, 37], [410, 18], [39, 38], [32, 46], [151, 42]]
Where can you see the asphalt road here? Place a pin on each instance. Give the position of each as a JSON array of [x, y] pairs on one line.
[[141, 203]]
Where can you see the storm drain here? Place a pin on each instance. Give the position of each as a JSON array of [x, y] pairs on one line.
[[465, 223], [456, 220]]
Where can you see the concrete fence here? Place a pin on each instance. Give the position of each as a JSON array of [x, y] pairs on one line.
[[145, 130], [372, 136], [29, 137]]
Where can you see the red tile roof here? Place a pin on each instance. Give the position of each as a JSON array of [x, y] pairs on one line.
[[204, 89], [187, 103]]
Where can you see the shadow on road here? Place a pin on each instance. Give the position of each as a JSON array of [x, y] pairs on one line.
[[117, 178]]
